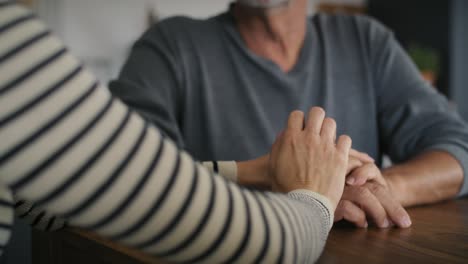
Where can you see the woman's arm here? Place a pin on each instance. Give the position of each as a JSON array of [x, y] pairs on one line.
[[6, 217], [70, 148]]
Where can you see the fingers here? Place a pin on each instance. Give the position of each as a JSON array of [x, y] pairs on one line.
[[344, 144], [296, 121], [363, 157], [276, 145], [372, 207], [315, 120], [353, 163], [317, 124], [396, 213], [328, 131], [361, 175], [377, 202], [280, 135], [279, 139], [350, 212]]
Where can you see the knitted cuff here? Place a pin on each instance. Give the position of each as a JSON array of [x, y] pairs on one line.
[[316, 198], [227, 169]]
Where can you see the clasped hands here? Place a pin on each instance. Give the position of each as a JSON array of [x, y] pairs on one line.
[[367, 195], [307, 155]]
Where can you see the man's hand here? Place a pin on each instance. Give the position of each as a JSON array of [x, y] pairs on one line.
[[368, 196]]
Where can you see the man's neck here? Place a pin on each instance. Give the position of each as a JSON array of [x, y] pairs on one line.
[[277, 34]]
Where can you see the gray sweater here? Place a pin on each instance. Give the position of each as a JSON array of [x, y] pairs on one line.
[[198, 82]]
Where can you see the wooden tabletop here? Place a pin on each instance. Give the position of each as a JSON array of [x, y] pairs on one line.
[[439, 235]]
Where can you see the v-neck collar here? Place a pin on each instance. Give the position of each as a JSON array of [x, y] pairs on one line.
[[228, 21]]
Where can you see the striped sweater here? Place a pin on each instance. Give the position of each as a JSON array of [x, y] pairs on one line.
[[44, 221], [71, 149]]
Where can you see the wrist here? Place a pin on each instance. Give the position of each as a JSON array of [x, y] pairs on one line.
[[397, 187], [311, 196], [254, 173], [226, 169]]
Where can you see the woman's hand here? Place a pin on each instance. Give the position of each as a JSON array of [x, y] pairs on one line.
[[306, 157], [256, 172]]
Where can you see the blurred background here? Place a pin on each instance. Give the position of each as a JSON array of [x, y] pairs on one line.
[[101, 32]]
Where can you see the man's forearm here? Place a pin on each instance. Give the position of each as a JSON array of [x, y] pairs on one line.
[[254, 173], [430, 177], [251, 173]]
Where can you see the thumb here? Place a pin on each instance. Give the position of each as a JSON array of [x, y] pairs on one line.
[[363, 174]]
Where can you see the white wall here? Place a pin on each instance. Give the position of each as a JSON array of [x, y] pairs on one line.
[[312, 3], [101, 32], [194, 8], [109, 25]]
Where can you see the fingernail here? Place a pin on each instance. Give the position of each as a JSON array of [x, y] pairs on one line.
[[406, 222], [371, 158], [361, 181], [386, 224], [351, 181], [366, 225]]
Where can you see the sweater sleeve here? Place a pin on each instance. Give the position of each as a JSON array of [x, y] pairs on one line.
[[413, 116], [38, 218], [6, 217], [68, 147], [44, 221], [227, 169]]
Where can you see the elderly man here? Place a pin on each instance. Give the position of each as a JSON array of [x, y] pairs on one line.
[[222, 88]]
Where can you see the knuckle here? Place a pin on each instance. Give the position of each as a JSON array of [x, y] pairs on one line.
[[363, 192], [288, 137], [346, 206], [294, 141], [376, 188], [342, 159], [360, 172], [372, 168]]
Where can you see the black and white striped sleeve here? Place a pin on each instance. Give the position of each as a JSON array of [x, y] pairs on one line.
[[36, 217], [71, 149], [6, 217], [43, 221], [227, 169]]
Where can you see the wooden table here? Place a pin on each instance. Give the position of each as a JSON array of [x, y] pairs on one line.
[[439, 235]]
